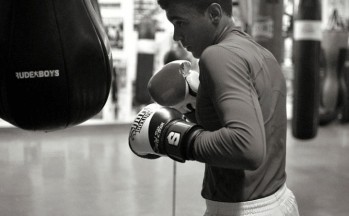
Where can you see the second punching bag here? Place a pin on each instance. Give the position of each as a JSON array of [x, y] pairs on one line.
[[55, 63], [307, 47]]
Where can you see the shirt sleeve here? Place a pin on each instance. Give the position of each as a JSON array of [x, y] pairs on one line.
[[240, 142]]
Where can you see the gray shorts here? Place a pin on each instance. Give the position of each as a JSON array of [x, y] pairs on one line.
[[281, 203]]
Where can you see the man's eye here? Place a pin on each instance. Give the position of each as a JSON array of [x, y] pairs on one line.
[[178, 23]]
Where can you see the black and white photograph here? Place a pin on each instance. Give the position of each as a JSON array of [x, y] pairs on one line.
[[174, 108]]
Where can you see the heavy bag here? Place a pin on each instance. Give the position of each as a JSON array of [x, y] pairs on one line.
[[343, 96], [146, 48], [306, 87], [332, 43], [55, 63]]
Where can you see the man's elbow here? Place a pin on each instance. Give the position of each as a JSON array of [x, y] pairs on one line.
[[254, 158]]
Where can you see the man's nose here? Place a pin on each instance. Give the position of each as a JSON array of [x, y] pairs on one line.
[[177, 36]]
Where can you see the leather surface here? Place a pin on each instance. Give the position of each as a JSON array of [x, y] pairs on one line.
[[55, 63]]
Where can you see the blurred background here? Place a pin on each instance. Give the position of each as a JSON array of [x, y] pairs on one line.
[[89, 169]]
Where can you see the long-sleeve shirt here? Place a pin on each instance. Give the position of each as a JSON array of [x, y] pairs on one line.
[[241, 104]]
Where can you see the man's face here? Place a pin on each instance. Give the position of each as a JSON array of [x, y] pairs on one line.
[[194, 30]]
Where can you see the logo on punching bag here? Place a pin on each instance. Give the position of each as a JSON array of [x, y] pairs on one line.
[[37, 74], [173, 138], [307, 30], [263, 29]]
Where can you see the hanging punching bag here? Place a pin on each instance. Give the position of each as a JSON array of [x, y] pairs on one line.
[[334, 38], [55, 63], [145, 60], [306, 89], [343, 95]]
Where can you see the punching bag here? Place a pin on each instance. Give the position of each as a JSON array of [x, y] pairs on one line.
[[334, 38], [145, 60], [267, 25], [343, 95], [306, 89], [55, 63]]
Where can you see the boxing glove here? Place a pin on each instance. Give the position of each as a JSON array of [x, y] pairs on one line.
[[175, 85], [162, 131]]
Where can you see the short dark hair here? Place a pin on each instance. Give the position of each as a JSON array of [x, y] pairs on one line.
[[200, 5]]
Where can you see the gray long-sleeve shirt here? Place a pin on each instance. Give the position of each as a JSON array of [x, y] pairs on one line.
[[241, 104]]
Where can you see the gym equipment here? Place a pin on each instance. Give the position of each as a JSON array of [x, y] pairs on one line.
[[55, 62], [162, 131], [175, 85], [307, 46], [343, 96]]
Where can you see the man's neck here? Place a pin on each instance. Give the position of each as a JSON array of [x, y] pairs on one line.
[[224, 24]]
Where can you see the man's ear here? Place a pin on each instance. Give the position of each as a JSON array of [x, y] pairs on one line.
[[215, 12]]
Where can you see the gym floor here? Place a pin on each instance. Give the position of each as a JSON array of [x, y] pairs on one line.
[[90, 171]]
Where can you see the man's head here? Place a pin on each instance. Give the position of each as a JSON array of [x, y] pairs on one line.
[[200, 5], [197, 23]]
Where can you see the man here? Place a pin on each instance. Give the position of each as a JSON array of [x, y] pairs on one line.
[[241, 105]]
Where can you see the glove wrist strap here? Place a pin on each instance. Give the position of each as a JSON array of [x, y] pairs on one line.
[[179, 138]]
